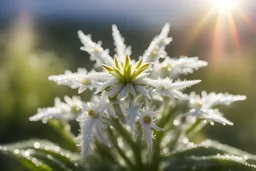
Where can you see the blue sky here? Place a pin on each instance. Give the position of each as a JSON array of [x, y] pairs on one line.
[[143, 11]]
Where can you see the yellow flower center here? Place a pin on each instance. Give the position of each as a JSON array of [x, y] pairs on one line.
[[86, 82], [91, 113], [125, 72], [96, 50], [199, 104], [167, 66], [75, 109], [147, 119]]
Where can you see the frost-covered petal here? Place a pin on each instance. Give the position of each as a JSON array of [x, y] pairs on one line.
[[180, 85], [115, 89], [45, 114], [69, 78], [131, 90], [97, 53], [216, 116], [142, 90], [132, 113], [108, 83], [86, 137], [98, 76], [123, 93], [156, 48], [121, 49], [212, 99], [173, 67], [155, 127], [148, 135]]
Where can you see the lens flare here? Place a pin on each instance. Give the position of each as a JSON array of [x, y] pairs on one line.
[[226, 6]]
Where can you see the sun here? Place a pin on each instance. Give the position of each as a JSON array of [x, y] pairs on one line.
[[226, 6]]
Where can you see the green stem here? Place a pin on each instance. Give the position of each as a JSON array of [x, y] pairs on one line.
[[191, 129], [64, 130], [107, 154], [120, 151], [127, 136], [166, 117]]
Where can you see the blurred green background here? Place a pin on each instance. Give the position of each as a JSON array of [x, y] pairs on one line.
[[38, 39]]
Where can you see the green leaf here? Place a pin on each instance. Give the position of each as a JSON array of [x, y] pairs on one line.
[[48, 155], [209, 163], [28, 161], [210, 147]]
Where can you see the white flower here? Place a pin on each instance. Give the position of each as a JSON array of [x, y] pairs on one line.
[[124, 78], [203, 106], [172, 67], [146, 119], [156, 48], [121, 82], [71, 109], [91, 126]]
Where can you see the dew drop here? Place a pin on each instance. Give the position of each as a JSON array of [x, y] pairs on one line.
[[128, 153], [120, 142], [68, 155], [185, 140], [26, 153], [211, 123], [36, 145], [16, 151], [57, 148], [176, 122], [165, 150]]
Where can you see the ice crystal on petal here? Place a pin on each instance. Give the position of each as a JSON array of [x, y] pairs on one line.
[[203, 106], [146, 119], [71, 109], [172, 67], [156, 48], [91, 126], [121, 49], [97, 53]]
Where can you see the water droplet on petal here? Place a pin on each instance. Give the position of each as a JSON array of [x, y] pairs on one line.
[[176, 122], [211, 123], [185, 140], [129, 153], [16, 151], [26, 153], [46, 147], [57, 148], [36, 145], [120, 142], [165, 150], [4, 148]]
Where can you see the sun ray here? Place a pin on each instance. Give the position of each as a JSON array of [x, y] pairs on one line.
[[218, 39], [234, 32], [197, 30]]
